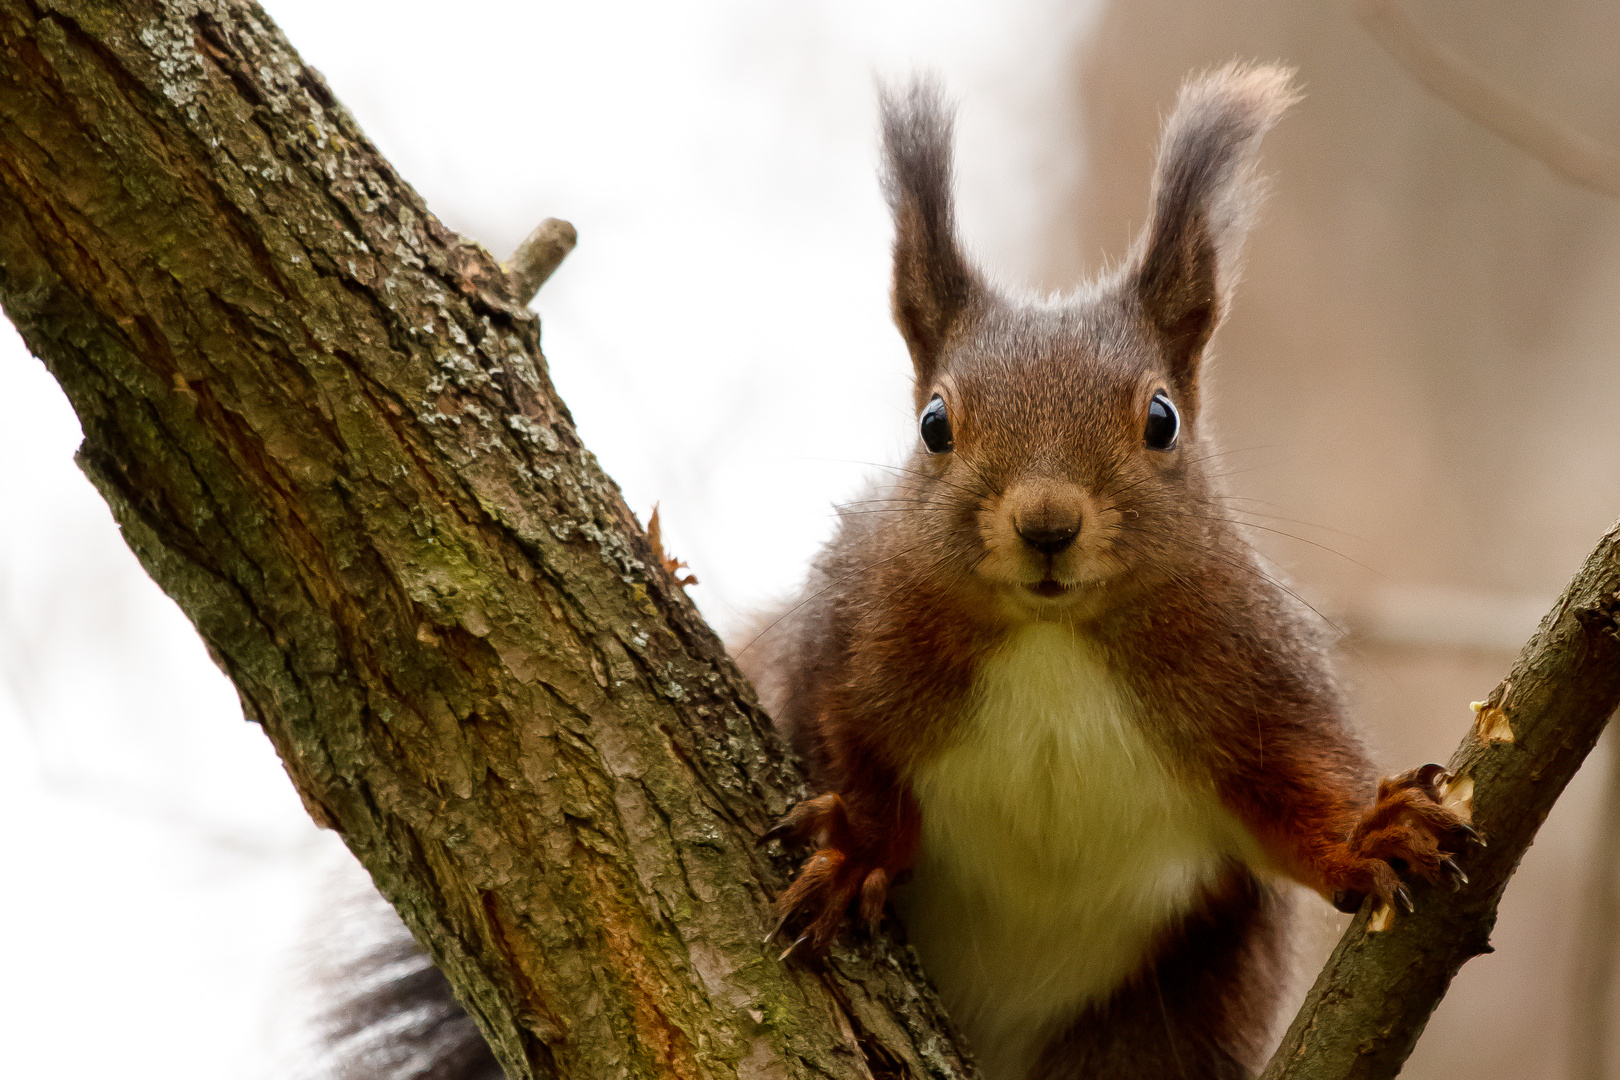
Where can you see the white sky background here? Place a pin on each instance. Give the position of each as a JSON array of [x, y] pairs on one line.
[[721, 335]]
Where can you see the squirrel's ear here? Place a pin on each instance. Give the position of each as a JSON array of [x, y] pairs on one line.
[[1205, 192], [934, 286]]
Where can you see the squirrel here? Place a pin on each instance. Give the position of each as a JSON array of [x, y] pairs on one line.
[[1052, 702]]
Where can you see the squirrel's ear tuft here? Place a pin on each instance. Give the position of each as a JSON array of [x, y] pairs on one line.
[[1205, 193], [934, 286]]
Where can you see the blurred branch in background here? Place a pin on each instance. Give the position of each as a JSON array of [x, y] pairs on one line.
[[1572, 155], [1409, 615]]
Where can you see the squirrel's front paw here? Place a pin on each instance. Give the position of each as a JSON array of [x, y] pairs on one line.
[[1407, 831], [836, 878]]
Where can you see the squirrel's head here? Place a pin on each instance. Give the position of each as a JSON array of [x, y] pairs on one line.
[[1060, 443]]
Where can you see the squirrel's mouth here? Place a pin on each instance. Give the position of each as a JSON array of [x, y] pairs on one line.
[[1048, 588]]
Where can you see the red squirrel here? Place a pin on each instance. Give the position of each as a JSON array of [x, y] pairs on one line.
[[1054, 704]]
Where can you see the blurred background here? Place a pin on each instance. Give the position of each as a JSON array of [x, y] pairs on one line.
[[1417, 390]]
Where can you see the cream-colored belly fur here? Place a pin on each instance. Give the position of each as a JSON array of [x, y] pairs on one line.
[[1055, 847]]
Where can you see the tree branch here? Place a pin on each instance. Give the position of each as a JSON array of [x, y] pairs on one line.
[[324, 424], [1562, 149], [538, 257], [1371, 1002]]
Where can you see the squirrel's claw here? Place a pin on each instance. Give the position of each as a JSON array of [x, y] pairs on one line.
[[781, 830], [1407, 833], [800, 940], [841, 879], [1455, 874], [775, 930], [819, 820]]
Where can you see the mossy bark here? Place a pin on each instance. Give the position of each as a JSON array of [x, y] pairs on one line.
[[327, 430]]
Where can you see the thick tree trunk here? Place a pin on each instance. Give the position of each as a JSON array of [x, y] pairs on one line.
[[327, 430]]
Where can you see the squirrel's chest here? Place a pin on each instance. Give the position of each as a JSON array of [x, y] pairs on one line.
[[1056, 845]]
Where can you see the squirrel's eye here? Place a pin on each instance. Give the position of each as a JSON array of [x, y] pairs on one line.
[[1163, 424], [936, 427]]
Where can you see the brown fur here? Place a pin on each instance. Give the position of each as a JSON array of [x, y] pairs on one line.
[[1049, 486]]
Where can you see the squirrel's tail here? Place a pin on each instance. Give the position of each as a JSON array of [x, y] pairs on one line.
[[368, 1003]]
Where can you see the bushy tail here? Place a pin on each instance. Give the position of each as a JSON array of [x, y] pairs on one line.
[[369, 1004]]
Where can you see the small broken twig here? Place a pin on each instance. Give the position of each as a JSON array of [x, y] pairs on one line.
[[1572, 155], [672, 565], [541, 252]]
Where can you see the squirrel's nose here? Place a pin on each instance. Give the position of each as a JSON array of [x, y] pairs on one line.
[[1048, 538], [1046, 514]]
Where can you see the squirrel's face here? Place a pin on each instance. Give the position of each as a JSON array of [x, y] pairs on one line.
[[1065, 456], [1059, 455]]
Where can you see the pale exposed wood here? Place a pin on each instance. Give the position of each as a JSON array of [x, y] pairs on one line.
[[325, 426]]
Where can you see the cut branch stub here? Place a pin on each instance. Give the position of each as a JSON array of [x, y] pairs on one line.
[[538, 257]]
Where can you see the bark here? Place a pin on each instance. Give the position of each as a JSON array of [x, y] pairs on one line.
[[1380, 986], [325, 426]]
